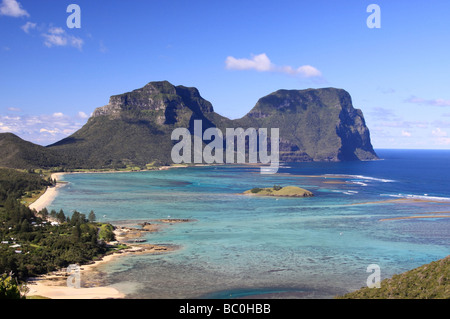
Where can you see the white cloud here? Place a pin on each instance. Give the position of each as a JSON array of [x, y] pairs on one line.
[[14, 109], [4, 128], [54, 40], [28, 26], [306, 71], [12, 8], [76, 42], [441, 136], [441, 102], [52, 132], [385, 90], [56, 30], [406, 133], [262, 63], [83, 115], [443, 141], [383, 114], [103, 48], [43, 129], [434, 102], [56, 36], [438, 132], [259, 62]]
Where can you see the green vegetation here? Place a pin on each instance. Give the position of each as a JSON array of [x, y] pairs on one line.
[[16, 184], [429, 281], [9, 288], [277, 187], [106, 232], [132, 132], [32, 243], [314, 124], [135, 128], [276, 190], [20, 154]]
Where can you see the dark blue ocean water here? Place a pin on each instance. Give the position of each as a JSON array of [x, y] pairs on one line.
[[240, 246]]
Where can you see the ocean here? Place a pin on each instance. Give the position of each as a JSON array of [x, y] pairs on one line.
[[239, 246]]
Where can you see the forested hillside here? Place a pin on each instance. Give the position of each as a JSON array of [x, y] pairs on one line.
[[31, 244]]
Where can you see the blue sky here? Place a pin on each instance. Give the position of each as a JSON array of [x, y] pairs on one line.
[[52, 77]]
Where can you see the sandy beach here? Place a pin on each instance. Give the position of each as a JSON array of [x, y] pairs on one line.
[[50, 194], [54, 285]]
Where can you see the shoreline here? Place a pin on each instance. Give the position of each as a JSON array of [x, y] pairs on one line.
[[104, 292], [51, 192], [54, 285], [49, 195]]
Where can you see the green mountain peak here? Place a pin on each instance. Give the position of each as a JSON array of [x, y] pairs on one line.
[[135, 128]]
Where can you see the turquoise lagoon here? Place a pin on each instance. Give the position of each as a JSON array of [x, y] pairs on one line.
[[246, 246]]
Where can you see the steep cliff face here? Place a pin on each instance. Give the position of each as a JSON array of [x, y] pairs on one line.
[[315, 124], [160, 102], [135, 128]]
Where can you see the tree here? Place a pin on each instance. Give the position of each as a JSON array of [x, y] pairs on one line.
[[60, 217], [91, 217], [44, 213], [106, 232], [9, 288], [77, 218], [25, 226], [77, 232]]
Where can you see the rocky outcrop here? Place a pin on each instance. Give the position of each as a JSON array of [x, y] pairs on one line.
[[315, 124], [159, 99]]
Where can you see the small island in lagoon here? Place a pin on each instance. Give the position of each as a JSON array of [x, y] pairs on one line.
[[279, 191]]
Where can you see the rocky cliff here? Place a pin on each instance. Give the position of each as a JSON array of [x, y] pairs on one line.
[[135, 128], [315, 124]]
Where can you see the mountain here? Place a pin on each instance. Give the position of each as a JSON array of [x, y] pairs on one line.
[[315, 124], [135, 128], [17, 153]]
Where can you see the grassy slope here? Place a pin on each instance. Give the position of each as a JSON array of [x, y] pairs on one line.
[[430, 281]]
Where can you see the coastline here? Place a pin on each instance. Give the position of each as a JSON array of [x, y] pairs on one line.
[[49, 195], [54, 285], [51, 192], [114, 293]]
